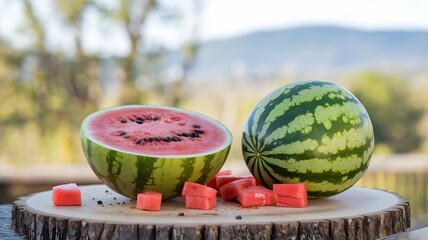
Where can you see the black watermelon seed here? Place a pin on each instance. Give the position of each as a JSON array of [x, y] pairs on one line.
[[166, 139], [127, 136], [157, 139], [196, 126], [199, 131], [131, 119], [139, 122], [174, 139], [140, 118], [184, 135], [139, 141], [238, 217], [193, 134], [123, 121], [179, 139], [155, 118], [145, 139], [147, 118], [122, 133], [150, 139], [179, 134]]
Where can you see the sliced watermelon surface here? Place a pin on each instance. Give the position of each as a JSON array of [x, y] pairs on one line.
[[140, 148], [155, 130]]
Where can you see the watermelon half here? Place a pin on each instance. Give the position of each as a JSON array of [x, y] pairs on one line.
[[138, 148]]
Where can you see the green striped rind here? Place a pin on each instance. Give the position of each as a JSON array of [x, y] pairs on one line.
[[312, 131], [130, 174]]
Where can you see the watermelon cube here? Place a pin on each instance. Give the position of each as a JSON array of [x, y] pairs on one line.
[[256, 196], [295, 190], [66, 195], [201, 203], [212, 183], [230, 190], [285, 201], [223, 179], [150, 200], [198, 190]]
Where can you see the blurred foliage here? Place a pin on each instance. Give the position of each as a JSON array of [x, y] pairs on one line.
[[395, 117], [46, 91]]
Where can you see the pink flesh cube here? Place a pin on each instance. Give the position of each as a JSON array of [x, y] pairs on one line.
[[150, 200], [212, 182], [295, 190], [198, 190], [201, 203], [285, 201], [229, 191], [66, 195], [256, 196], [223, 179]]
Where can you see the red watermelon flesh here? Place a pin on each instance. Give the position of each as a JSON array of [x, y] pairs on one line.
[[285, 201], [213, 182], [156, 131], [201, 203], [198, 190], [223, 179], [256, 196], [295, 190], [229, 191], [150, 200], [66, 195]]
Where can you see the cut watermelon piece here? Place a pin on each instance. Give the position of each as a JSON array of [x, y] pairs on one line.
[[295, 190], [213, 182], [66, 195], [201, 203], [285, 201], [223, 179], [150, 200], [229, 191], [198, 190], [256, 196]]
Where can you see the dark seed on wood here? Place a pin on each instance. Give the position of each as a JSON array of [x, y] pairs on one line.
[[196, 126], [181, 214], [238, 217], [139, 141], [100, 202]]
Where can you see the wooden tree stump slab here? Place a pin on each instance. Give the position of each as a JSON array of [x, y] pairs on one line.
[[358, 213]]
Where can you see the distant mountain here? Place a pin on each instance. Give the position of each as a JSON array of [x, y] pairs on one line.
[[314, 49]]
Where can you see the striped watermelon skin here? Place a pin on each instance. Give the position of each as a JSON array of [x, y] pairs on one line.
[[314, 132], [129, 174]]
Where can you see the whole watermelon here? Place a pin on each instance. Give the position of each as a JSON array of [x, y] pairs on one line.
[[314, 132]]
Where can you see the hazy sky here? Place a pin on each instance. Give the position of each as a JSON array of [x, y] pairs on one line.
[[224, 18]]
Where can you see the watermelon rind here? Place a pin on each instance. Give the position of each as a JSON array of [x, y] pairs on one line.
[[315, 132], [129, 173]]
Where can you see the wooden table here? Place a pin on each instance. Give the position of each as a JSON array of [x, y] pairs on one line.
[[358, 213]]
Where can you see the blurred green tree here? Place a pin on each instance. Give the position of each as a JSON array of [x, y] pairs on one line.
[[395, 118], [46, 90]]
